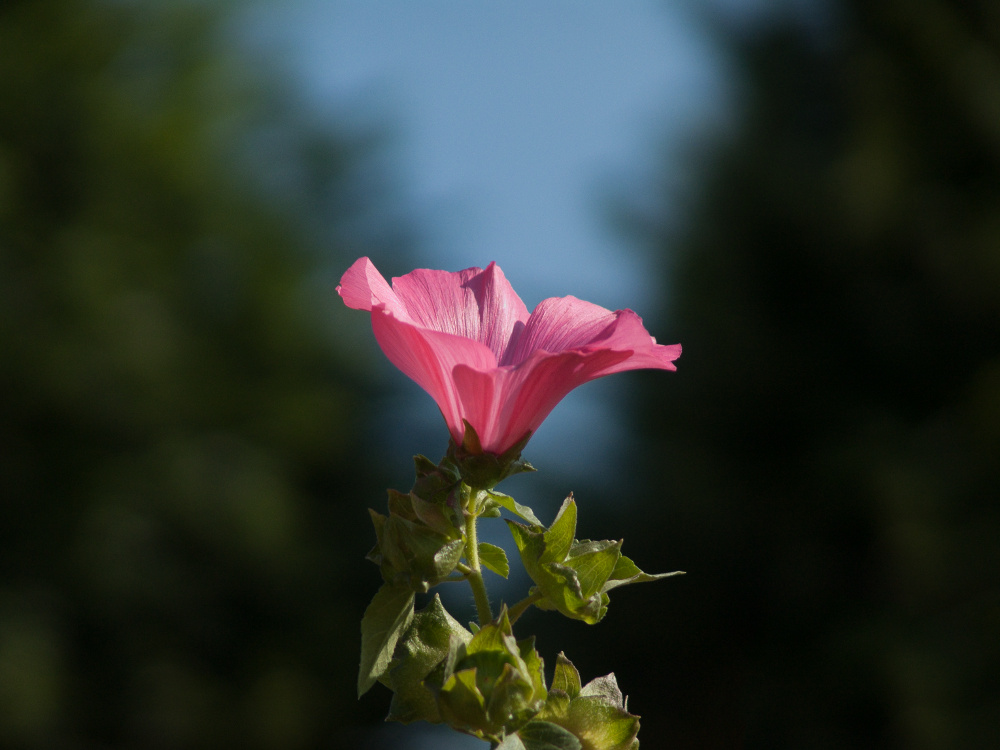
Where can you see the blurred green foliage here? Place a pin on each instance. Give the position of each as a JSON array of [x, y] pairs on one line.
[[179, 417], [826, 463]]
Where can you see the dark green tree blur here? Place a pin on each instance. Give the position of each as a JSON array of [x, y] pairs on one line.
[[180, 420], [826, 462]]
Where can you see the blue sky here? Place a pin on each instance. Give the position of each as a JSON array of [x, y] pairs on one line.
[[513, 122]]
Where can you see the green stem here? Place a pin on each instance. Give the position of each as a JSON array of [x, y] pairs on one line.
[[519, 609], [475, 574]]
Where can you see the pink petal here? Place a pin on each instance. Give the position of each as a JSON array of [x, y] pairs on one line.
[[505, 404], [476, 304], [566, 343], [429, 358], [362, 287], [467, 339], [560, 323], [567, 323]]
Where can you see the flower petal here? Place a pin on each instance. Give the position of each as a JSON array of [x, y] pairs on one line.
[[362, 287], [567, 323], [429, 358], [505, 404], [560, 323], [476, 304]]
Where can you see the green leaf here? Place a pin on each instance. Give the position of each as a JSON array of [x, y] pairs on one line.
[[566, 678], [387, 616], [494, 558], [426, 643], [627, 572], [534, 664], [544, 735], [515, 507], [446, 558], [602, 725], [423, 465], [595, 714], [559, 537], [593, 563], [461, 703], [433, 515]]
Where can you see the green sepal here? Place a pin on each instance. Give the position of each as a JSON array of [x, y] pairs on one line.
[[386, 618], [494, 558], [573, 577], [423, 647], [485, 470], [597, 713]]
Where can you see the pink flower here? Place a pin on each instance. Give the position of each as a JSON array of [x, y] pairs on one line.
[[468, 340]]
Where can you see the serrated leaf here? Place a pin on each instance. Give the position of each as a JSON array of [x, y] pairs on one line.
[[559, 537], [529, 543], [494, 558], [387, 616], [492, 636], [515, 507], [544, 735]]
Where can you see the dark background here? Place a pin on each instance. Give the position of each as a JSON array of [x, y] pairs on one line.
[[186, 410]]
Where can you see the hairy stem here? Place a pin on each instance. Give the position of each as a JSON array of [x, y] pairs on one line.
[[475, 574]]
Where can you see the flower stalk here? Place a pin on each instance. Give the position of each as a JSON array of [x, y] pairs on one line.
[[475, 574]]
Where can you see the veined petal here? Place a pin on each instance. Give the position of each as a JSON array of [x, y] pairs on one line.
[[558, 324], [567, 323], [628, 333], [362, 287], [475, 304], [429, 357], [507, 403]]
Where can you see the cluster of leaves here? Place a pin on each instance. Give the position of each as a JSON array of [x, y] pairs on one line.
[[482, 681], [572, 576], [489, 685]]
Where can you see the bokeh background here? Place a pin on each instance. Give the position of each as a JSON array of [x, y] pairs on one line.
[[805, 194]]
